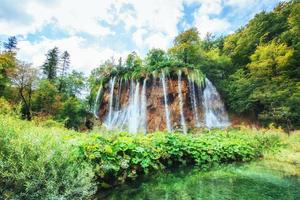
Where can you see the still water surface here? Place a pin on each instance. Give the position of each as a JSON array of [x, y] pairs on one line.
[[227, 183]]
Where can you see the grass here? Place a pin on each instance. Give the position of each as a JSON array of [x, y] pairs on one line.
[[41, 163], [286, 159]]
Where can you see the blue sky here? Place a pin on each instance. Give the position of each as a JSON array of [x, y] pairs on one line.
[[95, 30]]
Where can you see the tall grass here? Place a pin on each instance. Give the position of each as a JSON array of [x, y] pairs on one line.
[[286, 159], [40, 163]]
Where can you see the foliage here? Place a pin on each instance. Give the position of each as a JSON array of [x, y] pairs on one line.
[[46, 98], [258, 71], [40, 163], [7, 67], [72, 84], [117, 158], [72, 113], [47, 122], [5, 107], [50, 67], [187, 47], [286, 160], [24, 79], [11, 44]]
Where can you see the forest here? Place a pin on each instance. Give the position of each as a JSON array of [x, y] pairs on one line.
[[52, 146]]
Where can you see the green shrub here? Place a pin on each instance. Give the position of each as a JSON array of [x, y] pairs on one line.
[[47, 122], [40, 163], [120, 157], [6, 108]]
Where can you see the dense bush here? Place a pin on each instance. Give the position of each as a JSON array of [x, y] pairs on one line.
[[41, 163], [120, 157], [5, 107], [46, 162]]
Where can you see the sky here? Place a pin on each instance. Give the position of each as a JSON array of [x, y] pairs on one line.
[[95, 30]]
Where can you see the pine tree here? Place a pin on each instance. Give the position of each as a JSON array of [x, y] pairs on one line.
[[65, 63], [50, 67], [11, 44]]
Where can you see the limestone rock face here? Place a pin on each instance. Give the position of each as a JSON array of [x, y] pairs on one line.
[[156, 115], [127, 104]]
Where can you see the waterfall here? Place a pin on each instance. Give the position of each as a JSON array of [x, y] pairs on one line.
[[134, 110], [182, 119], [194, 103], [143, 115], [167, 111], [127, 104], [111, 98], [96, 102], [118, 102], [215, 114]]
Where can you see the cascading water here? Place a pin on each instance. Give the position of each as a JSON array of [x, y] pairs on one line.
[[194, 103], [111, 98], [167, 111], [118, 102], [132, 117], [96, 102], [215, 114], [143, 114], [182, 119], [134, 111], [139, 106]]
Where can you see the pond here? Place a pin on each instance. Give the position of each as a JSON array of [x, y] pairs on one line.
[[230, 182]]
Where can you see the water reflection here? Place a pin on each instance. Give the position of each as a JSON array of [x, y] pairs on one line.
[[227, 183]]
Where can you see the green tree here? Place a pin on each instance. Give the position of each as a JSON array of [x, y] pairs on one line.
[[74, 84], [50, 66], [155, 57], [72, 113], [65, 64], [269, 70], [133, 60], [187, 47], [24, 79], [11, 44], [46, 98], [7, 67]]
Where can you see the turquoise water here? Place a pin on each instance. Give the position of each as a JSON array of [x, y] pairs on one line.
[[228, 183]]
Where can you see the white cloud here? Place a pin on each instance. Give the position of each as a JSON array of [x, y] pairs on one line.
[[242, 8], [156, 16], [72, 16], [205, 25], [75, 16], [157, 40], [82, 58], [138, 37], [210, 7], [204, 21]]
